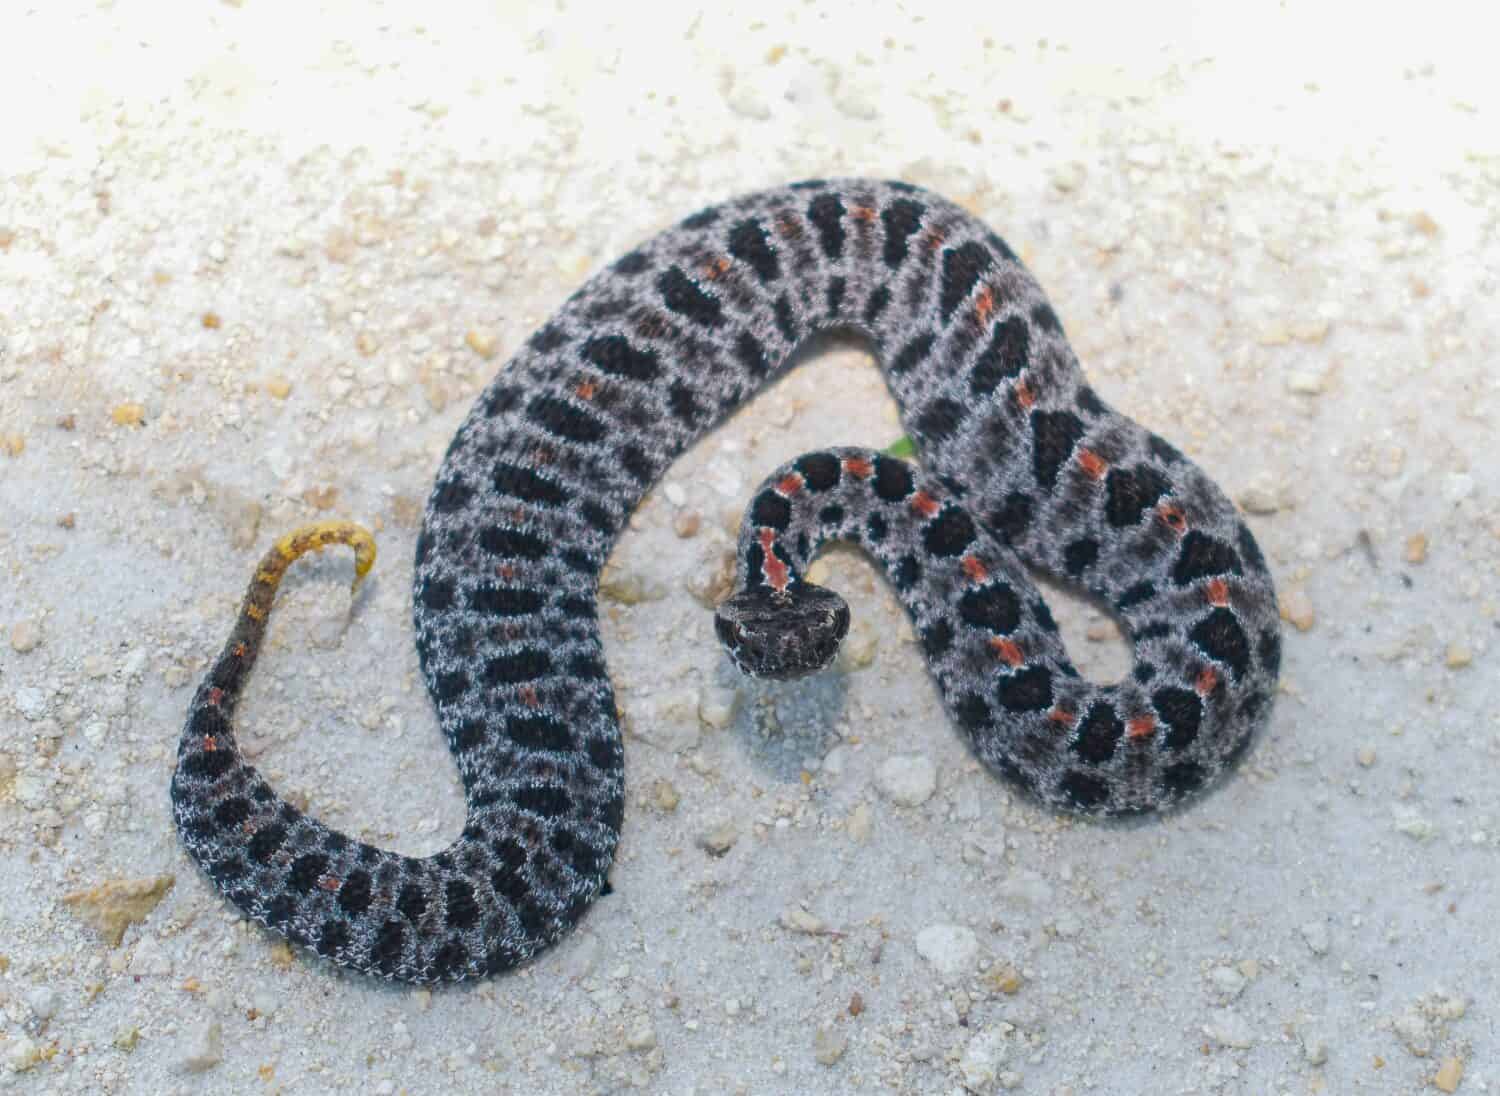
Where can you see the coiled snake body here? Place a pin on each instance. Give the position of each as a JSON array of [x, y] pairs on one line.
[[1022, 463]]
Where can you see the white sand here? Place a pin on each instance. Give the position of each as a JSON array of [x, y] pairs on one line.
[[1272, 237]]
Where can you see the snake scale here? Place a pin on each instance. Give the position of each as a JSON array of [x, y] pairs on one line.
[[1022, 466]]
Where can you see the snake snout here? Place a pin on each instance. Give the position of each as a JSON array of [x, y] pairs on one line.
[[782, 634]]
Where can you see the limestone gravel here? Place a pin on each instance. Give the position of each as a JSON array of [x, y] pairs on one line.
[[951, 949], [215, 324], [907, 780]]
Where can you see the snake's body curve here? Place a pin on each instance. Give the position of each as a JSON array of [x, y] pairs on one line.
[[1022, 464]]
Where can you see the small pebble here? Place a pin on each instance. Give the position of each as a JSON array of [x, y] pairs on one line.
[[1457, 657], [798, 919], [908, 780], [861, 823], [664, 796], [1449, 1074], [1411, 1028], [1297, 609], [717, 706], [641, 1036], [712, 580], [1227, 1028], [829, 1045], [43, 1002], [25, 635], [115, 905], [22, 1054], [128, 414], [980, 1065], [1003, 978], [667, 720], [1457, 487], [858, 649], [31, 702], [835, 761], [1416, 548], [950, 949], [1259, 498], [1365, 757], [718, 840], [401, 1036], [481, 342], [1314, 1048], [1227, 981], [204, 1048], [631, 588], [1303, 383], [1413, 824], [1315, 936]]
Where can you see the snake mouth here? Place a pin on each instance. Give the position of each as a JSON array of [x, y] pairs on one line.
[[782, 635]]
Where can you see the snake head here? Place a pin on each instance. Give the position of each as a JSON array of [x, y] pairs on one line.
[[782, 634]]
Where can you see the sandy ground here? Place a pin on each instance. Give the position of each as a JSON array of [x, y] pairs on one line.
[[255, 264]]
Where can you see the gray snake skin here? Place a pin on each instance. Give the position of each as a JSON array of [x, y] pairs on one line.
[[1023, 465]]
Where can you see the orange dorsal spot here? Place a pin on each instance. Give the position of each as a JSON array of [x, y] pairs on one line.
[[1142, 726], [1024, 395], [1208, 681], [1093, 465], [1218, 592], [984, 305], [933, 240], [789, 484], [864, 214], [330, 883], [1007, 651], [528, 696], [210, 744], [858, 467], [1062, 717], [975, 569], [778, 577], [585, 390], [215, 695], [716, 269], [239, 650], [788, 226], [505, 570], [924, 504], [1172, 517]]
